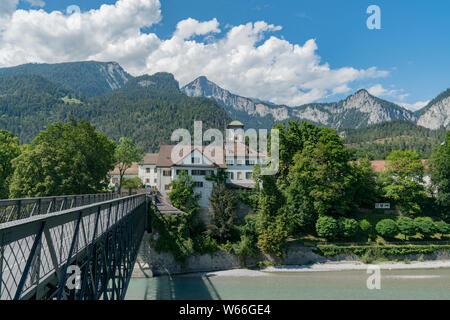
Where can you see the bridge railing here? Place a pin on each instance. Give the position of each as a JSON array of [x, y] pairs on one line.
[[41, 256], [16, 209]]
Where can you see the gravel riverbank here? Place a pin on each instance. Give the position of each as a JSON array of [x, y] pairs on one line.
[[322, 267]]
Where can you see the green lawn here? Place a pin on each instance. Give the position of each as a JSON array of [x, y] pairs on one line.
[[71, 100]]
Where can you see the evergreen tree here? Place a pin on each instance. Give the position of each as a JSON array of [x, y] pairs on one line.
[[440, 173]]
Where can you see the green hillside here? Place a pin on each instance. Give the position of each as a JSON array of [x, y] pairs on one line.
[[148, 109], [88, 77], [381, 139]]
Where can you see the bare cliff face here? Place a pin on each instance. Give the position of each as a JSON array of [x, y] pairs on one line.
[[202, 87], [359, 109], [362, 109], [114, 75], [437, 113]]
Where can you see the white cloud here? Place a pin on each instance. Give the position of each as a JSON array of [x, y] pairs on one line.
[[414, 106], [247, 59], [379, 91]]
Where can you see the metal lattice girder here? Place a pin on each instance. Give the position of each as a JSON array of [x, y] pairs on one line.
[[16, 209], [100, 240]]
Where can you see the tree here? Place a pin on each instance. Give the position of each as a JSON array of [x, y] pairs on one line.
[[71, 158], [426, 226], [327, 227], [366, 227], [223, 204], [348, 228], [271, 224], [126, 153], [387, 228], [365, 187], [440, 172], [442, 227], [132, 183], [293, 137], [9, 149], [320, 182], [406, 226], [405, 184], [182, 194], [273, 238], [247, 246]]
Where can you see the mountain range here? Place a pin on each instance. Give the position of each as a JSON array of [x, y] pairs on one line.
[[148, 108], [356, 111]]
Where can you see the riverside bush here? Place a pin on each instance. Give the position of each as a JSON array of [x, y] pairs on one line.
[[387, 228], [381, 251], [203, 244], [327, 227], [347, 228], [366, 227], [245, 248], [406, 226], [426, 226], [272, 238], [442, 227]]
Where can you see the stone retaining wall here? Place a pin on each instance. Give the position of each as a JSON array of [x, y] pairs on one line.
[[150, 263]]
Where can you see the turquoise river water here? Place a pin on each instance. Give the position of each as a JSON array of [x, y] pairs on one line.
[[395, 284]]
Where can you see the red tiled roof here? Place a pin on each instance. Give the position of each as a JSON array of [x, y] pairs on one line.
[[150, 158], [381, 165], [165, 156], [133, 170]]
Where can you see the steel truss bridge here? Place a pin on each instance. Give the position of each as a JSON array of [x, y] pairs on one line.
[[72, 247]]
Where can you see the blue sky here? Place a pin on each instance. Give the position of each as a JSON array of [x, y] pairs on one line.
[[412, 46]]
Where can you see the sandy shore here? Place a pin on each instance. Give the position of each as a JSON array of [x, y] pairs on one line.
[[322, 267], [349, 266]]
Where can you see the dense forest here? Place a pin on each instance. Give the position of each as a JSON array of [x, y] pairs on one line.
[[90, 78], [379, 140], [147, 109]]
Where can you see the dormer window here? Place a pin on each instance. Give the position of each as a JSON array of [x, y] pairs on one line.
[[195, 160]]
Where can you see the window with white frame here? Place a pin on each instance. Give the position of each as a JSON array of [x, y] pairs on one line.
[[195, 160]]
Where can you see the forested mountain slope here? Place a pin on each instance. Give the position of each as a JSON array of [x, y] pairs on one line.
[[147, 108], [90, 78], [379, 140]]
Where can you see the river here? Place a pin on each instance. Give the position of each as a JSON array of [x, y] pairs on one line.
[[431, 284]]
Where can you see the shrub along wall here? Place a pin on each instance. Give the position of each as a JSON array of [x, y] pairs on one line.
[[386, 251]]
